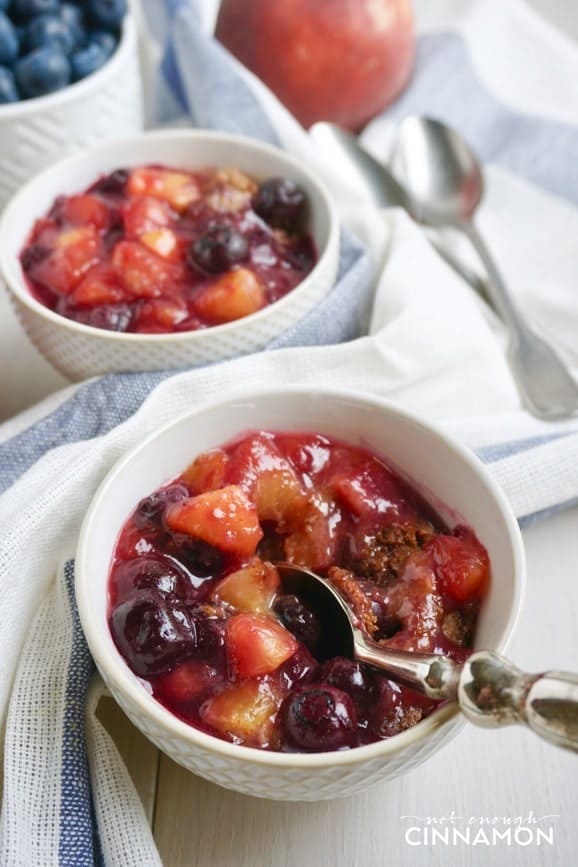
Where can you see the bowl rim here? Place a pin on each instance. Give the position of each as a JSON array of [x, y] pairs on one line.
[[119, 673], [78, 89], [17, 284]]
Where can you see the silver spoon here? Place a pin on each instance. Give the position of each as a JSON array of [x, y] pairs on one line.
[[445, 183], [489, 689], [378, 183]]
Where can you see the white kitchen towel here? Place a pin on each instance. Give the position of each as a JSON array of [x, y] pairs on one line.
[[431, 347]]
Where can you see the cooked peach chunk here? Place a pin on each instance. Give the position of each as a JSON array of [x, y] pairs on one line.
[[235, 294], [256, 645], [313, 542], [245, 712], [163, 242], [143, 273], [75, 252], [177, 188], [251, 588], [207, 472], [145, 214], [101, 285], [226, 519]]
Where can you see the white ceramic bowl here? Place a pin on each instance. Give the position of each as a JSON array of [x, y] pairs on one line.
[[445, 473], [35, 133], [79, 351]]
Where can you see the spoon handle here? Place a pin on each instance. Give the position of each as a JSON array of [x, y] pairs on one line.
[[548, 389], [493, 692]]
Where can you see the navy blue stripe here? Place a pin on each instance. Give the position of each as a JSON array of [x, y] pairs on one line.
[[78, 844], [445, 86]]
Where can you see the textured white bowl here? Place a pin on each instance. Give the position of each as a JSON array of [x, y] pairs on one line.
[[35, 133], [80, 351], [445, 473]]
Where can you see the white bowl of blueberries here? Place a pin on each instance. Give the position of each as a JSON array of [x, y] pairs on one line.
[[69, 79]]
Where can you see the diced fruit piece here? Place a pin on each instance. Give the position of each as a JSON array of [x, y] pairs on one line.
[[225, 518], [163, 242], [257, 645], [177, 188], [143, 215], [84, 210], [151, 634], [161, 314], [76, 251], [186, 681], [101, 285], [207, 472], [461, 565], [313, 542], [318, 718], [143, 273], [245, 712], [251, 588], [235, 294]]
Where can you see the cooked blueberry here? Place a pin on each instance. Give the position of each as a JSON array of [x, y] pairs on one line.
[[33, 254], [201, 559], [151, 634], [8, 88], [280, 202], [318, 718], [51, 30], [152, 572], [87, 60], [22, 10], [298, 619], [299, 668], [9, 44], [112, 317], [349, 676], [107, 41], [218, 249], [42, 71], [210, 635], [107, 14], [113, 184], [149, 512], [396, 708]]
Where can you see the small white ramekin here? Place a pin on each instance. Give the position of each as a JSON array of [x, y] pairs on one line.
[[449, 476], [35, 133], [80, 351]]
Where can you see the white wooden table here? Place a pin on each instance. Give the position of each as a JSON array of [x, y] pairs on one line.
[[480, 775]]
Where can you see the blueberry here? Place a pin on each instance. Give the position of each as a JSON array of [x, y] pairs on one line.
[[9, 44], [107, 41], [32, 255], [107, 14], [151, 572], [42, 71], [351, 677], [280, 203], [22, 10], [218, 249], [151, 634], [73, 15], [318, 718], [8, 89], [111, 317], [51, 30], [113, 184], [87, 60], [299, 620], [149, 512]]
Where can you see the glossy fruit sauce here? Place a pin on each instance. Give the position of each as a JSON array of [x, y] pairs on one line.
[[153, 250], [198, 610]]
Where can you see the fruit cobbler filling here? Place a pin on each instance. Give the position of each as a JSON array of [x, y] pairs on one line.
[[199, 612], [155, 250]]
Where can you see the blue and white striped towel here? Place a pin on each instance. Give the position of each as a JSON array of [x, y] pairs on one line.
[[67, 797]]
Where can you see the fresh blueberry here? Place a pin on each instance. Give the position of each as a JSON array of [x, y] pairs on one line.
[[23, 10], [107, 41], [51, 30], [9, 44], [72, 14], [42, 71], [280, 203], [107, 14], [218, 249], [87, 60], [8, 88]]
